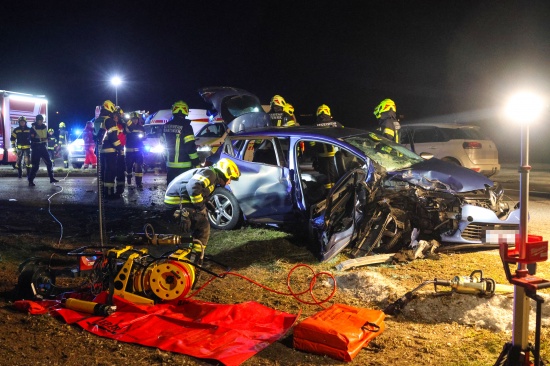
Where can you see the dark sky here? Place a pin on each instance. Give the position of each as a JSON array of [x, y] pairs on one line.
[[431, 57]]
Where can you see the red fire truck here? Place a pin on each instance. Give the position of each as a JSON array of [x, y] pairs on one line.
[[12, 106]]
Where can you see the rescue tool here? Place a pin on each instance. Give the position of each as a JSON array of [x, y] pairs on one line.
[[474, 284]]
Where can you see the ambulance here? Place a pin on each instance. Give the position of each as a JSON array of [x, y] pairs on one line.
[[12, 106]]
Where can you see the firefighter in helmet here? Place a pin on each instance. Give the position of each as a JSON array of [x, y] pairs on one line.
[[193, 196], [388, 124], [108, 146], [20, 139], [118, 116], [179, 142], [52, 144], [134, 149], [277, 114], [39, 150], [63, 141]]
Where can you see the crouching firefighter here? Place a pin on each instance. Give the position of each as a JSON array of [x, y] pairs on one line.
[[192, 195]]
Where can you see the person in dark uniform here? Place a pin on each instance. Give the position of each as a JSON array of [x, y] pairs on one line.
[[277, 114], [118, 116], [193, 195], [179, 142], [39, 150], [52, 145], [20, 139], [134, 149], [388, 124], [324, 161], [63, 141], [109, 146]]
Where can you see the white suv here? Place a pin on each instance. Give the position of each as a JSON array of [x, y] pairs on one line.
[[457, 143]]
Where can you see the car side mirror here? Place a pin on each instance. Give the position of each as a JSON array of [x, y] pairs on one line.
[[426, 156]]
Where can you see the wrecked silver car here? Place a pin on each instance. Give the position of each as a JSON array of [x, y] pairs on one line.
[[384, 191]]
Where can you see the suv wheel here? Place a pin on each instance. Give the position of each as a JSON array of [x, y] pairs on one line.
[[228, 214]]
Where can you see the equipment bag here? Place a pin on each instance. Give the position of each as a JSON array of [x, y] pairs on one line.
[[340, 331]]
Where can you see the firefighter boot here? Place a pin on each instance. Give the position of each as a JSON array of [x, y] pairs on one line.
[[139, 184], [19, 172], [31, 183], [52, 179]]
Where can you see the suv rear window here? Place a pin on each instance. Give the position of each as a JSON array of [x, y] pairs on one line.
[[463, 133]]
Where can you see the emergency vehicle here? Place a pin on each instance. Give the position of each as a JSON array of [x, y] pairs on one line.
[[12, 106]]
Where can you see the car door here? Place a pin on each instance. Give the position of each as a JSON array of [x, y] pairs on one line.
[[334, 221], [264, 189]]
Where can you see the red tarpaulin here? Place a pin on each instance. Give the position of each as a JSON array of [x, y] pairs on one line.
[[228, 333]]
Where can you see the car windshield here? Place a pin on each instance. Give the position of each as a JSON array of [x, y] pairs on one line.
[[153, 130], [236, 106], [386, 153], [464, 133]]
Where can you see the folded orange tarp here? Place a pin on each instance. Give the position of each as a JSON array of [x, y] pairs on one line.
[[340, 331]]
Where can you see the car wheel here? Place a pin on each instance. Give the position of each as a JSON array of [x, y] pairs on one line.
[[77, 165], [228, 214]]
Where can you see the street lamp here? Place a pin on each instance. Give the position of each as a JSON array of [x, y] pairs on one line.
[[116, 81], [523, 108]]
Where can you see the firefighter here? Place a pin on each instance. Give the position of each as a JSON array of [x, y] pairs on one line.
[[289, 109], [89, 146], [179, 142], [118, 116], [63, 141], [324, 117], [52, 145], [20, 139], [39, 142], [277, 114], [108, 146], [324, 154], [193, 198], [388, 123], [134, 150]]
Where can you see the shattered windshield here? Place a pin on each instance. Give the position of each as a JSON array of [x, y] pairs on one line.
[[390, 155]]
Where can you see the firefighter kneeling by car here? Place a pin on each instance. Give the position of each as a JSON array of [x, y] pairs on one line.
[[193, 195]]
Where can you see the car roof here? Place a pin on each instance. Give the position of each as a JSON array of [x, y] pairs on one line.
[[441, 125], [305, 131]]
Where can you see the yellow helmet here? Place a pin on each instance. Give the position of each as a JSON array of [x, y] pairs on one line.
[[228, 168], [180, 107], [384, 106], [61, 124], [50, 130], [288, 108], [108, 105], [278, 100], [323, 108], [22, 119], [134, 115]]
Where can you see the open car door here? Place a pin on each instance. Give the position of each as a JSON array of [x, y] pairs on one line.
[[333, 222]]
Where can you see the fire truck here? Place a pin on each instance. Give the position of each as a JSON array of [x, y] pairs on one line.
[[12, 106]]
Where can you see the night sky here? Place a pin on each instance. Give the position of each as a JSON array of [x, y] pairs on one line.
[[432, 57]]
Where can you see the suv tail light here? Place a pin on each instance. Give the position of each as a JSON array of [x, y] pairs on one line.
[[471, 145]]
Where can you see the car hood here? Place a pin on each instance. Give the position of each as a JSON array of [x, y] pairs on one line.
[[239, 109], [434, 174]]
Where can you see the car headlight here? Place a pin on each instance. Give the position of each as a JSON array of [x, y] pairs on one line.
[[157, 149], [11, 149]]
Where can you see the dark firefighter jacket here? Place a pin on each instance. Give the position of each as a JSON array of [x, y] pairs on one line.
[[63, 137], [39, 134], [135, 134], [111, 143], [21, 135], [180, 144], [197, 190], [52, 142], [280, 118]]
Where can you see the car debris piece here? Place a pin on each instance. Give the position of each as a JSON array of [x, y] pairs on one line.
[[364, 261]]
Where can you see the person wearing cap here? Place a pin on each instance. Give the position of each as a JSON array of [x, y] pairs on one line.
[[179, 141], [20, 138], [39, 150]]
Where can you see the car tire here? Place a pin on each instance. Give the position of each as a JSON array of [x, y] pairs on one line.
[[77, 165], [228, 215]]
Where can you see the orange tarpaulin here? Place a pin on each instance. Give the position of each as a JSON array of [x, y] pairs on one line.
[[228, 333]]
